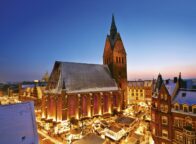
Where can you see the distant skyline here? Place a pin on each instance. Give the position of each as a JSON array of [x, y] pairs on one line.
[[159, 36]]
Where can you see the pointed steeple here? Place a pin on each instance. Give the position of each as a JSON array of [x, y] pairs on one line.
[[180, 80], [159, 82], [113, 29]]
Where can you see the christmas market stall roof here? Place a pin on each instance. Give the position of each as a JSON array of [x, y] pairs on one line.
[[80, 77], [17, 124], [90, 139]]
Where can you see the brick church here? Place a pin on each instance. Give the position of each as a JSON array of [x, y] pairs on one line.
[[83, 90]]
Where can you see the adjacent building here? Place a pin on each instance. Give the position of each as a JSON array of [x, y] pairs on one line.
[[173, 117], [32, 91], [139, 91]]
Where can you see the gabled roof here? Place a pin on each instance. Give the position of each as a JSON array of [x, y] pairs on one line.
[[17, 124], [170, 85], [81, 77]]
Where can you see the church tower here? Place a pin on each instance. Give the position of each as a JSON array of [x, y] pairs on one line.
[[115, 57]]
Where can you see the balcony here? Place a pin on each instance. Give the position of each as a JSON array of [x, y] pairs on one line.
[[189, 131]]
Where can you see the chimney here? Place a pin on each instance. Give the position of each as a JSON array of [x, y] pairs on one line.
[[175, 79]]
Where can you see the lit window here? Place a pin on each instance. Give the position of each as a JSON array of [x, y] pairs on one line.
[[164, 120], [161, 96], [185, 108], [165, 96], [178, 136], [153, 117], [176, 106], [154, 131], [155, 105], [194, 109], [164, 133], [164, 108], [178, 122]]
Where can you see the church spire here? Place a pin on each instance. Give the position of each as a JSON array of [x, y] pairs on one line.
[[113, 29]]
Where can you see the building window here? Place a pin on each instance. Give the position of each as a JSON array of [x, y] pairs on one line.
[[155, 105], [165, 96], [176, 106], [116, 59], [154, 131], [178, 122], [164, 133], [164, 120], [122, 60], [161, 96], [153, 117], [188, 122], [194, 109], [164, 108], [185, 108], [178, 136]]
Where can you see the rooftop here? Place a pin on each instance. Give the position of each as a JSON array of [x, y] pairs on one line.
[[81, 77], [17, 124], [90, 139], [185, 97]]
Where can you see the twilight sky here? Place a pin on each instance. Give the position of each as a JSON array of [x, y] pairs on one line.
[[159, 36]]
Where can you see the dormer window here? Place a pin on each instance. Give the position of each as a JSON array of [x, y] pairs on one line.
[[185, 108], [176, 106], [183, 94], [194, 109]]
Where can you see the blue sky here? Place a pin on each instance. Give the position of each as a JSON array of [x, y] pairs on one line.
[[159, 36]]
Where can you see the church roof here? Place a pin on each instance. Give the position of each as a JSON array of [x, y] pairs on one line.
[[81, 77]]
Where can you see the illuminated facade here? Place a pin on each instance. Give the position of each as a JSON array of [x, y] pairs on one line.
[[85, 90], [139, 91], [32, 91], [80, 90], [173, 117]]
